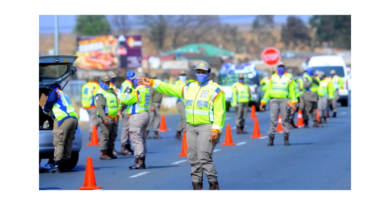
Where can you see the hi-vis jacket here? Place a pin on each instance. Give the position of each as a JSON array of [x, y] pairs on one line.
[[203, 104], [326, 88], [281, 87], [138, 100], [87, 99], [241, 93]]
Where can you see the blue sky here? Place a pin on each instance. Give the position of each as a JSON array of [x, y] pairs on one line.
[[66, 23]]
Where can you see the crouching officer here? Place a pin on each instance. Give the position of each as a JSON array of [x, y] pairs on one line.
[[138, 104], [282, 88], [107, 111], [205, 115], [65, 125], [241, 98]]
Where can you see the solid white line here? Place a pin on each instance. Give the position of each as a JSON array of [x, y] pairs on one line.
[[217, 150], [137, 175], [343, 113], [263, 137], [241, 143], [178, 162], [233, 128], [227, 118]]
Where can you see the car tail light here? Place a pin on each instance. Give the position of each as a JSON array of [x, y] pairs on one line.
[[346, 84]]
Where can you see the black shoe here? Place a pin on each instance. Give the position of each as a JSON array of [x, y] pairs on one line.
[[271, 140], [147, 135], [334, 114], [54, 168], [197, 185], [128, 148], [139, 163], [286, 143], [178, 135], [214, 185], [111, 154], [243, 131]]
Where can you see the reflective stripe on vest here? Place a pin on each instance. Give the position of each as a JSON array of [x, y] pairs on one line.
[[242, 92], [279, 87], [142, 105], [63, 108], [87, 98]]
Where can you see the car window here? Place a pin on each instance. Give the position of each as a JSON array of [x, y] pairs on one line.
[[52, 71], [230, 79], [326, 69]]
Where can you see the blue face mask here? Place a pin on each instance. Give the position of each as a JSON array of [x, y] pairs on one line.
[[202, 78], [103, 86], [310, 71], [135, 83], [241, 80], [281, 70], [112, 80], [183, 78]]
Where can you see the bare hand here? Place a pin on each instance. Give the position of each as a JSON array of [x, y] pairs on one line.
[[119, 113], [152, 108], [106, 122], [144, 81], [261, 107], [214, 136], [294, 107]]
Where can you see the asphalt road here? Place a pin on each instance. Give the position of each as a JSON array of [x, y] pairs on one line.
[[318, 159]]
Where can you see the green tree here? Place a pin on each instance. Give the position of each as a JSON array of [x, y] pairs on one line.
[[231, 35], [333, 29], [92, 25], [295, 32], [157, 28]]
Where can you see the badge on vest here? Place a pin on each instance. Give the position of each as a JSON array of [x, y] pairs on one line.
[[204, 94], [188, 103], [97, 98], [201, 103]]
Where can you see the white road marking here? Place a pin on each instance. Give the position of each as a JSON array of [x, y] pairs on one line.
[[137, 175], [178, 162], [217, 150], [233, 128], [264, 137], [343, 113], [227, 118], [241, 143]]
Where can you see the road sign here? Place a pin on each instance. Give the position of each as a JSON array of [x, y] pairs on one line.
[[270, 56]]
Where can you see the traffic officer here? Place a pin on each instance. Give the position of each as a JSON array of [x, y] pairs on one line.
[[138, 104], [205, 115], [154, 111], [180, 106], [337, 83], [241, 98], [291, 112], [112, 89], [281, 89], [325, 93], [310, 84], [88, 103], [126, 87], [59, 106], [107, 111]]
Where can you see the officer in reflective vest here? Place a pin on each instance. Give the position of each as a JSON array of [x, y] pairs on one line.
[[338, 83], [241, 98], [281, 89], [126, 87], [138, 104], [88, 103], [107, 111], [310, 84], [180, 106], [291, 112], [301, 101], [205, 115], [154, 111], [325, 92], [65, 124], [112, 89]]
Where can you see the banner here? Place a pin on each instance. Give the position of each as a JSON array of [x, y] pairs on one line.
[[97, 52], [130, 51]]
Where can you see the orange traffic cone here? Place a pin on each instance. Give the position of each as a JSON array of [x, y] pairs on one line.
[[300, 120], [94, 137], [163, 126], [228, 137], [256, 130], [253, 113], [89, 180], [317, 115], [279, 128], [184, 146]]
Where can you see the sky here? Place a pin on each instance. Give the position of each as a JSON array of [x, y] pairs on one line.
[[66, 23]]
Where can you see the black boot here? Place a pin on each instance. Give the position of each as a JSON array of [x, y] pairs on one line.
[[139, 163], [292, 124], [147, 135], [243, 131], [316, 124], [238, 131], [271, 140], [111, 154], [334, 114], [128, 148], [325, 120], [197, 185], [178, 135], [214, 185], [286, 143], [306, 122], [156, 136], [55, 168]]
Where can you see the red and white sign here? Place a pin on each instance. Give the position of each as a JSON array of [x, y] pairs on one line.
[[270, 56]]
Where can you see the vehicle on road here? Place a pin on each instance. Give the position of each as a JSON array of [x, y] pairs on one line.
[[55, 69], [328, 63]]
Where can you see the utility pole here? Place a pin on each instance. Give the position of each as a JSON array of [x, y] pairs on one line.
[[56, 38]]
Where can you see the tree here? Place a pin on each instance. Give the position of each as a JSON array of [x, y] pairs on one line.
[[179, 25], [295, 32], [157, 28], [202, 27], [231, 35], [261, 31], [334, 29], [92, 25], [122, 22]]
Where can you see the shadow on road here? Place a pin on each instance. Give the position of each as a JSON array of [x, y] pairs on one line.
[[50, 188], [83, 167], [301, 143], [157, 167]]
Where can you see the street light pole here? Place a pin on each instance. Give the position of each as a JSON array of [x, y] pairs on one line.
[[55, 34]]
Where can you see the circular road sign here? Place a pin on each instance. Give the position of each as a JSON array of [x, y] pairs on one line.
[[270, 56]]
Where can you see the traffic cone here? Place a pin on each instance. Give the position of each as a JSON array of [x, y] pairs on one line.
[[184, 146], [279, 128], [163, 126], [253, 113], [256, 130], [318, 116], [89, 180], [228, 137], [300, 120], [94, 137]]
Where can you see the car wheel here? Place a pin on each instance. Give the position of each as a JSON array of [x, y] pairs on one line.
[[74, 158], [344, 103]]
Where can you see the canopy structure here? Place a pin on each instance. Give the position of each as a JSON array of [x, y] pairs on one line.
[[206, 49]]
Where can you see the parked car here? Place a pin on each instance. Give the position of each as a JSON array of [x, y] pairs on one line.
[[55, 69]]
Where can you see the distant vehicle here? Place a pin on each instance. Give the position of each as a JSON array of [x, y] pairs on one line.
[[328, 63], [54, 69], [227, 77]]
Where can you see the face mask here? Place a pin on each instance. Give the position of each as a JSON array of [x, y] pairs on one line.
[[241, 80], [310, 71], [183, 78], [281, 70], [112, 80], [103, 86], [135, 83], [202, 78]]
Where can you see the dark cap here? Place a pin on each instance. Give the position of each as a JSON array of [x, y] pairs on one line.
[[105, 78], [203, 65], [111, 74]]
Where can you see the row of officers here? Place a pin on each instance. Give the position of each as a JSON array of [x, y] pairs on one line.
[[203, 113]]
